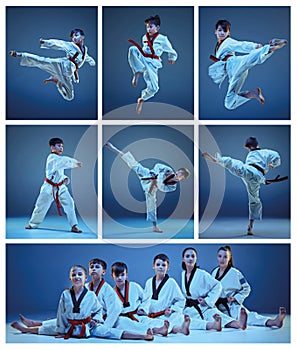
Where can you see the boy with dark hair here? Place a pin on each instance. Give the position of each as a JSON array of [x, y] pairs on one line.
[[62, 70], [146, 60], [236, 68], [54, 187], [164, 299], [252, 172]]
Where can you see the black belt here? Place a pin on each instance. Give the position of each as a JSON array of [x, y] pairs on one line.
[[224, 303], [258, 168], [194, 303]]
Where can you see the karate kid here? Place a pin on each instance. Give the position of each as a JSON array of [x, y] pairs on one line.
[[146, 60], [54, 187], [161, 177], [131, 295], [201, 291], [79, 315], [164, 299], [236, 68], [252, 172], [62, 70], [235, 289]]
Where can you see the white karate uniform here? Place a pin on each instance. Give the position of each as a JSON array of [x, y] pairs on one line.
[[89, 306], [236, 67], [252, 177], [170, 296], [235, 285], [61, 68], [135, 299], [149, 66], [162, 171], [111, 308], [205, 286], [55, 166]]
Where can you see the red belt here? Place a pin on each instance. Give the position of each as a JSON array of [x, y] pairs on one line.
[[73, 60], [156, 314], [77, 323], [145, 54], [130, 315], [56, 196], [215, 59]]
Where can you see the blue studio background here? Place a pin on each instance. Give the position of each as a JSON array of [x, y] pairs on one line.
[[42, 278], [179, 137], [26, 96], [273, 76], [230, 140], [175, 81], [27, 149]]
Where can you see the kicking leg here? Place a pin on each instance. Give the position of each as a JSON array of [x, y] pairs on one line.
[[208, 156], [13, 53], [276, 44], [51, 79], [114, 149], [139, 105]]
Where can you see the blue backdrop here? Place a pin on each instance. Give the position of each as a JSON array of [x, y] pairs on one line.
[[26, 96], [258, 24]]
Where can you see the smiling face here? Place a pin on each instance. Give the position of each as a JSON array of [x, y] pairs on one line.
[[189, 258], [221, 33], [77, 277]]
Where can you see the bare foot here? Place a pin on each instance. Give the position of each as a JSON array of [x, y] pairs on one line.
[[278, 320], [259, 95], [139, 105], [22, 329], [75, 229], [276, 44], [249, 231], [29, 323], [164, 330], [13, 53], [216, 324], [51, 79], [243, 318], [208, 156], [184, 328], [149, 335], [28, 227], [157, 229], [135, 79]]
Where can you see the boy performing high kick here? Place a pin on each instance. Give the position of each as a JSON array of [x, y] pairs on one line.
[[236, 68], [161, 177], [62, 70]]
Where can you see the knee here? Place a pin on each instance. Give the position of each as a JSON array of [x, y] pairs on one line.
[[133, 50]]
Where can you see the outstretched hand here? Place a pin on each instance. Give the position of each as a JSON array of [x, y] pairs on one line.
[[171, 61]]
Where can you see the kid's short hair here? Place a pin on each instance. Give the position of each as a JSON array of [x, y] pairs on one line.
[[98, 261], [118, 267], [185, 172], [153, 20], [162, 257], [225, 24], [76, 30], [251, 142], [53, 141]]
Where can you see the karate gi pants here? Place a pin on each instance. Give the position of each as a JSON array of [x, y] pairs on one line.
[[59, 68], [237, 68], [149, 67]]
